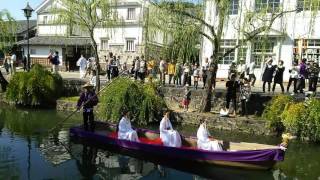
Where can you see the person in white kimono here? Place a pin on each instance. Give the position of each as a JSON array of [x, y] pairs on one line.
[[82, 63], [204, 142], [125, 130], [169, 136]]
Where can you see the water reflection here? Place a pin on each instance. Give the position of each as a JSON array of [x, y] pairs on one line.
[[87, 164], [28, 152]]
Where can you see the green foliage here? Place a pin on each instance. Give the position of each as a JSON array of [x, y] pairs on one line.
[[141, 100], [8, 28], [311, 120], [180, 33], [37, 87], [299, 118], [292, 117], [272, 112]]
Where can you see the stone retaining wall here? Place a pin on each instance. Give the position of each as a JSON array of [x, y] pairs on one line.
[[72, 87], [173, 96], [250, 125], [239, 124]]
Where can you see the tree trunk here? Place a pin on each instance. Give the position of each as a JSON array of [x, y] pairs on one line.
[[95, 49], [3, 82], [206, 101]]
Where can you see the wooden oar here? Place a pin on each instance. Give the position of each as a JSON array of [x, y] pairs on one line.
[[65, 119]]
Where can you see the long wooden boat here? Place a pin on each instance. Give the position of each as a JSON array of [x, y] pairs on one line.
[[239, 155]]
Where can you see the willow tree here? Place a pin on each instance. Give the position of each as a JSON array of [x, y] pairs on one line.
[[8, 28], [7, 39], [87, 15], [211, 26], [180, 42]]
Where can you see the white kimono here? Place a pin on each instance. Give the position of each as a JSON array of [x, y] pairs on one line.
[[82, 63], [126, 132], [169, 136], [204, 142]]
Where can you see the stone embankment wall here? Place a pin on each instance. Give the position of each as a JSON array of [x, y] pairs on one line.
[[72, 87], [173, 97]]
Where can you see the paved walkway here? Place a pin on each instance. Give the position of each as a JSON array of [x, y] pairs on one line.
[[219, 85]]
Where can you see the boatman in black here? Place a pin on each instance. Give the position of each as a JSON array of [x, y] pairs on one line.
[[88, 99]]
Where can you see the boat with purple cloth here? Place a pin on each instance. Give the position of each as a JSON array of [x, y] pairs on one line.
[[239, 155]]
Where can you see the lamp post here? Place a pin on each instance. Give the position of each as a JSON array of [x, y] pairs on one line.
[[28, 13]]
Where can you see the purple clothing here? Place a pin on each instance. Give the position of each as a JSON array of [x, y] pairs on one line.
[[88, 100], [303, 70]]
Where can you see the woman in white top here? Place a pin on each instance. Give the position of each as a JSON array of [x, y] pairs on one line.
[[204, 142], [169, 136], [125, 130]]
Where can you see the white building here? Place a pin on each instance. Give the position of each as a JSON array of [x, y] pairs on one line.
[[292, 36], [126, 40]]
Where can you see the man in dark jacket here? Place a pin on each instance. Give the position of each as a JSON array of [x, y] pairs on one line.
[[313, 72], [88, 99], [232, 89]]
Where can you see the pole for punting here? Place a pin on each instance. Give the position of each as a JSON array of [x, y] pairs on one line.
[[71, 114]]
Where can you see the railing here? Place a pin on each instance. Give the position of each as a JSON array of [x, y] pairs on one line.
[[42, 61]]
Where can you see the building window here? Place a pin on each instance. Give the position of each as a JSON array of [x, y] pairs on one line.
[[33, 51], [130, 45], [45, 19], [234, 6], [262, 49], [104, 44], [268, 5], [242, 54], [306, 48], [307, 5], [225, 46], [131, 14]]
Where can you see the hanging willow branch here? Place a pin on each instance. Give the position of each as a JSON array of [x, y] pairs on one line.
[[8, 28]]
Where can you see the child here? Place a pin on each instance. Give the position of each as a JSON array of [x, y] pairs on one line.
[[186, 99], [245, 92]]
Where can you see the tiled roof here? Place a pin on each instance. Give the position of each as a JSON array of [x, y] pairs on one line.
[[22, 25], [56, 40]]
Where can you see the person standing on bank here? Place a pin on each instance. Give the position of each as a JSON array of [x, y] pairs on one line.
[[13, 63], [205, 68], [252, 77], [232, 88], [171, 70], [82, 63], [268, 74], [293, 77], [142, 69], [278, 77], [313, 76], [24, 61], [136, 68], [55, 62], [88, 99], [302, 75]]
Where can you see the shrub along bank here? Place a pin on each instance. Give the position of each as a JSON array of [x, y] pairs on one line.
[[37, 87], [299, 118], [142, 100]]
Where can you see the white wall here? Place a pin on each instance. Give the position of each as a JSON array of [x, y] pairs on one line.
[[118, 36], [43, 52], [294, 25]]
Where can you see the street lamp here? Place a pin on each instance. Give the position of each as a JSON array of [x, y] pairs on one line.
[[28, 13]]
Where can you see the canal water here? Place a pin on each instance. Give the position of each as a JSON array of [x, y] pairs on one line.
[[28, 152]]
